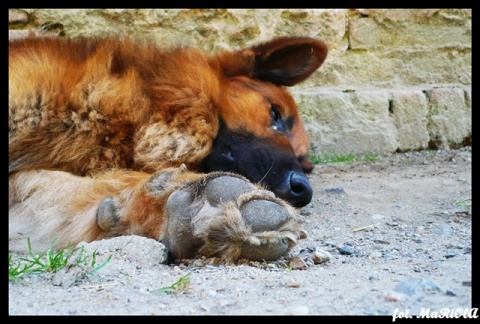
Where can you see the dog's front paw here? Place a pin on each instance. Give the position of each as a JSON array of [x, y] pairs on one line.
[[225, 216]]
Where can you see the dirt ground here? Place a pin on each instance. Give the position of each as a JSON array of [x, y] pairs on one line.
[[397, 231]]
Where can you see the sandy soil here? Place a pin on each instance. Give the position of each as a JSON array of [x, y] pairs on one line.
[[398, 234]]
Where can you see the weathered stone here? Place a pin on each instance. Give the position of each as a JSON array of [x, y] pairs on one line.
[[450, 118], [363, 33], [409, 111], [321, 256], [145, 251], [342, 123], [328, 24]]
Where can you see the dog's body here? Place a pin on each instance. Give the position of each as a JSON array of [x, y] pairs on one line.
[[100, 132]]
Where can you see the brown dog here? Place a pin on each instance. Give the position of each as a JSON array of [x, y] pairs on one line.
[[102, 131]]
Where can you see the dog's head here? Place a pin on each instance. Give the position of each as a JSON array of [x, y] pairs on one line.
[[261, 135]]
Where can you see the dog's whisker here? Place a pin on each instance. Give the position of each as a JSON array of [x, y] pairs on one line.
[[268, 171]]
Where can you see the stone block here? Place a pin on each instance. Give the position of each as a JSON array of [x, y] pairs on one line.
[[369, 32], [363, 33], [409, 113], [450, 119], [348, 122]]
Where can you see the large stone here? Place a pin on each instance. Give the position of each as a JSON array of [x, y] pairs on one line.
[[450, 117], [372, 32], [409, 112], [348, 122]]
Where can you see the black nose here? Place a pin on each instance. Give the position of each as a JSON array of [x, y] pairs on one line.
[[300, 191]]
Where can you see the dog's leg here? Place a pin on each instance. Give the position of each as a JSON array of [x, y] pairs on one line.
[[219, 214], [54, 205]]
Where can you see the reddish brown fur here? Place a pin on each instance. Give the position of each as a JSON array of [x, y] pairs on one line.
[[109, 113]]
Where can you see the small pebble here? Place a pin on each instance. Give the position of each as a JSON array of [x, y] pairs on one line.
[[346, 249], [321, 256]]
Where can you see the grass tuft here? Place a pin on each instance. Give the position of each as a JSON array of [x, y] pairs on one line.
[[52, 261], [179, 286], [349, 158]]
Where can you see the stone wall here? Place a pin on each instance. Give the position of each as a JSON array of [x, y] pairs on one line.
[[394, 80]]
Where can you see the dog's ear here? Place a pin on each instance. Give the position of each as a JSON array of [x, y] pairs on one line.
[[288, 60], [283, 61]]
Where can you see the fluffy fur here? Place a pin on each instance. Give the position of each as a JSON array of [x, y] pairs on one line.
[[92, 119]]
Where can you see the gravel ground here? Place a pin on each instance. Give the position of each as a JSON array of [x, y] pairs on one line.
[[387, 236]]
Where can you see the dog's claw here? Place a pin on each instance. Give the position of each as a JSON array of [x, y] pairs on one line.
[[107, 216]]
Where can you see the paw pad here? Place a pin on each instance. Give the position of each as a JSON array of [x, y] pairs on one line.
[[263, 215], [223, 189]]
